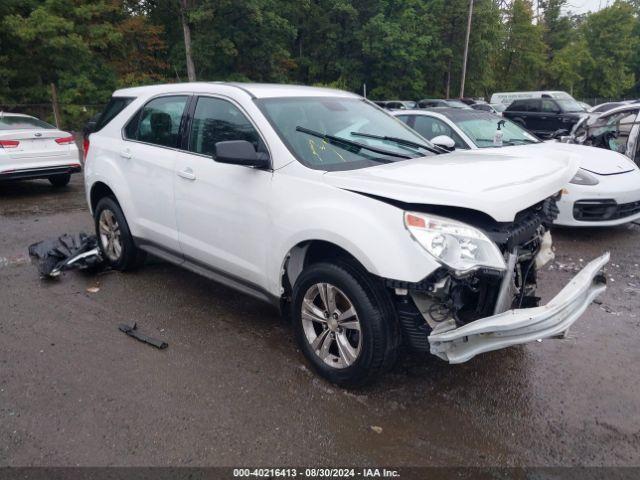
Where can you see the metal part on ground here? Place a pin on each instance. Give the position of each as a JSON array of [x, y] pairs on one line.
[[133, 331]]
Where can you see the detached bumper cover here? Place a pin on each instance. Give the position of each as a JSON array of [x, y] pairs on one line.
[[523, 325]]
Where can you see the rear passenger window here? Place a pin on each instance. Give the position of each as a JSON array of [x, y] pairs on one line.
[[533, 105], [217, 120], [158, 122], [530, 105]]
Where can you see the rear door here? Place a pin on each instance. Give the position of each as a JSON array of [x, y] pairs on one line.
[[147, 158]]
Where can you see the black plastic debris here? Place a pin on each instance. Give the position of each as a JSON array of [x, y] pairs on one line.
[[133, 331], [65, 253]]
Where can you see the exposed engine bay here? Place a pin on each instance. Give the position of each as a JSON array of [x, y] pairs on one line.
[[445, 297]]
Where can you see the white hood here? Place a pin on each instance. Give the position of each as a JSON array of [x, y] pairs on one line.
[[497, 181], [596, 160]]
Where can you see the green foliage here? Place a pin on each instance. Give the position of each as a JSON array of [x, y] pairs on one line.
[[611, 38], [408, 49], [523, 56]]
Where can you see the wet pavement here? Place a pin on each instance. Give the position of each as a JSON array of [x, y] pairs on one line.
[[232, 389]]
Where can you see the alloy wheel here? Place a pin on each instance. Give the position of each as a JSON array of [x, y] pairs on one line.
[[331, 325], [110, 235]]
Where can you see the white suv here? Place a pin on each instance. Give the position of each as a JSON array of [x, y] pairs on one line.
[[322, 203]]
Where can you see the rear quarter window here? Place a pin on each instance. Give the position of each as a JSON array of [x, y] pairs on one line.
[[113, 108]]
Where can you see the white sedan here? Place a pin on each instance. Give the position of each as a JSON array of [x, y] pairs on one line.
[[604, 192], [31, 149]]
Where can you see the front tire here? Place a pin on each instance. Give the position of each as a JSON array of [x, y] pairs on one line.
[[344, 323], [114, 236], [60, 180]]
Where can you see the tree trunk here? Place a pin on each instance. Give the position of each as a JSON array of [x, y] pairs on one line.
[[448, 84], [56, 106], [186, 30]]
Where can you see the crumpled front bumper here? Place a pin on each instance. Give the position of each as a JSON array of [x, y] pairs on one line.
[[524, 325]]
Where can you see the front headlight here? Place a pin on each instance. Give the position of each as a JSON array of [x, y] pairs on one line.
[[457, 245], [584, 178]]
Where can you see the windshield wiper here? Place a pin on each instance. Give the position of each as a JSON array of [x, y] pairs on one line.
[[402, 141], [345, 141]]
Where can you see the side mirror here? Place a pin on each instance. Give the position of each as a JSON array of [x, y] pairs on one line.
[[240, 152], [444, 141]]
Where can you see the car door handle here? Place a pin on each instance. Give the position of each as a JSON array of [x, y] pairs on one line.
[[187, 174], [126, 154], [543, 118]]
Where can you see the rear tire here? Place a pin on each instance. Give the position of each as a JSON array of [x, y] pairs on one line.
[[60, 180], [114, 236], [354, 339]]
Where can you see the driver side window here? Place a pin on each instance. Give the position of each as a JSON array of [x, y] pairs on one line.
[[430, 127], [216, 120], [619, 128]]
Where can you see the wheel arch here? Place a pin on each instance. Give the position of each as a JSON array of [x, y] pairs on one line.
[[312, 251], [98, 191]]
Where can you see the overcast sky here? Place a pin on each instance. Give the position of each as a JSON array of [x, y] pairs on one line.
[[582, 6]]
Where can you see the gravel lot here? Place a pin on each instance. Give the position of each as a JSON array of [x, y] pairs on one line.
[[232, 389]]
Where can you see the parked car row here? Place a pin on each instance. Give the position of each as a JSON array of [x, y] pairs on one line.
[[545, 112]]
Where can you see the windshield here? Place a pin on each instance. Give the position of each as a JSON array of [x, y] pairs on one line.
[[302, 121], [483, 130], [22, 123], [570, 106]]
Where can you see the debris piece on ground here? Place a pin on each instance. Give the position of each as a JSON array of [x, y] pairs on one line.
[[13, 261], [66, 252], [133, 331], [608, 309], [376, 428], [93, 289]]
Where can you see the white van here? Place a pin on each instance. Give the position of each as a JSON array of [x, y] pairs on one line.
[[507, 97]]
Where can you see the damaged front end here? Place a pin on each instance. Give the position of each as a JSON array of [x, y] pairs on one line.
[[456, 315]]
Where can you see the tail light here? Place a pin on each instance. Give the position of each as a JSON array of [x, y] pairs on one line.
[[85, 147], [9, 143], [65, 140]]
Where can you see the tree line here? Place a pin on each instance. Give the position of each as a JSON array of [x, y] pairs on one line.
[[406, 49]]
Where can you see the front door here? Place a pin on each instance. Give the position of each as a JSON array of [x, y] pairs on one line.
[[222, 210]]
